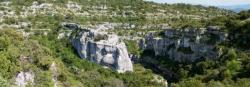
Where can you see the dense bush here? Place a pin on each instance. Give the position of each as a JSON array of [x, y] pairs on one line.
[[132, 47]]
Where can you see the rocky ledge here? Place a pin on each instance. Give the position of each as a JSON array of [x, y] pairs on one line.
[[185, 45]]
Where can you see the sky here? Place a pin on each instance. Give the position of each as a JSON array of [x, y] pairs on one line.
[[206, 2]]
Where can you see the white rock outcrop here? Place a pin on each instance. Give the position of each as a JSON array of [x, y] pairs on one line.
[[24, 78], [103, 49], [100, 47], [186, 45], [53, 68]]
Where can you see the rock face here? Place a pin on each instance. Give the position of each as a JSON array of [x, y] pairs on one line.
[[185, 45], [53, 69], [102, 48], [24, 78]]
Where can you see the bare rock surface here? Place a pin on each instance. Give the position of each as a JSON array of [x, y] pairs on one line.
[[24, 78], [100, 47], [186, 45]]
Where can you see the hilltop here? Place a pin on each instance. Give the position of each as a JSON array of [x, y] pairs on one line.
[[237, 8]]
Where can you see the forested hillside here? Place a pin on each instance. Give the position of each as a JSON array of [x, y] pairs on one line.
[[37, 47], [230, 69]]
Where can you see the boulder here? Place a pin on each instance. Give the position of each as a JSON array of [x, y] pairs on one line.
[[107, 50]]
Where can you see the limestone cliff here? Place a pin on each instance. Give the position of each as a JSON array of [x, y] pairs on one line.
[[102, 48], [186, 44]]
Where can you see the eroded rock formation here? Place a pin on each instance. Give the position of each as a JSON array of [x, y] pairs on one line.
[[102, 48], [185, 45]]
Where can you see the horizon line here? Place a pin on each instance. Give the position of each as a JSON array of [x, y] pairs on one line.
[[161, 2]]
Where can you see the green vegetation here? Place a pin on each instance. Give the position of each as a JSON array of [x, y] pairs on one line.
[[231, 66], [229, 69], [186, 50], [238, 28], [72, 71], [133, 47], [38, 52], [99, 37], [138, 12], [9, 53]]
